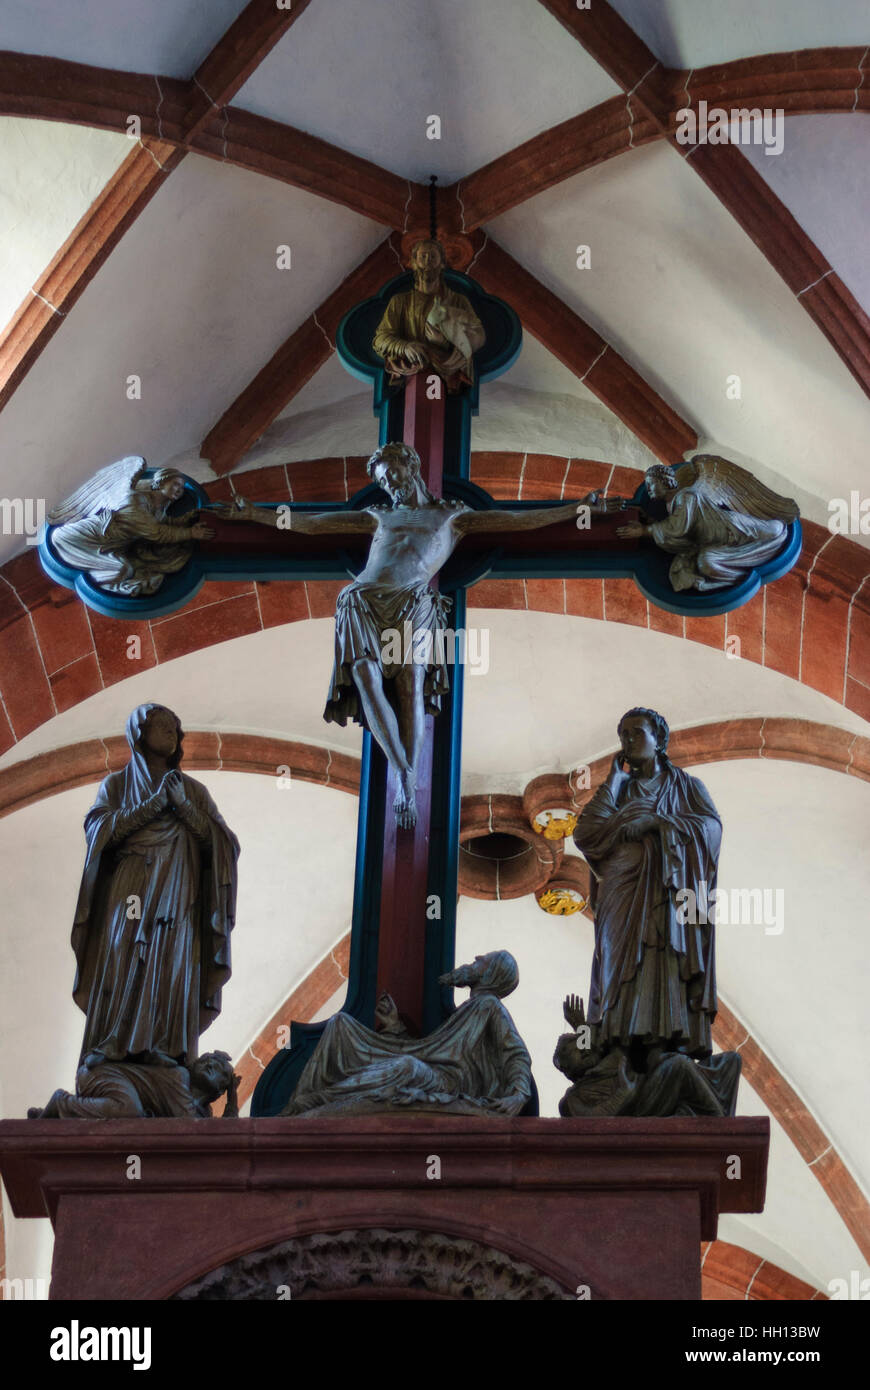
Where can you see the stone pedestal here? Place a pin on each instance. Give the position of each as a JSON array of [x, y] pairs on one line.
[[382, 1207]]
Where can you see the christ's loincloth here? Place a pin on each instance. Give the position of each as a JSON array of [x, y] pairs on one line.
[[370, 621]]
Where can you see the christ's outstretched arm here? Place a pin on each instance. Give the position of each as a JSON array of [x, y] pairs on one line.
[[303, 523], [497, 520]]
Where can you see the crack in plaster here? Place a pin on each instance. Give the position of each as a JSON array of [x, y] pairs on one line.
[[329, 344], [628, 97], [828, 272], [861, 70]]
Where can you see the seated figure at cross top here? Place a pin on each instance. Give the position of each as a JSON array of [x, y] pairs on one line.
[[412, 537]]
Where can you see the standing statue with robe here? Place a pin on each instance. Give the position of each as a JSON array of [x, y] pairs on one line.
[[156, 907], [650, 833]]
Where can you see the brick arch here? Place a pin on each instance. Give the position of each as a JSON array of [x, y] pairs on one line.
[[812, 625], [78, 764], [730, 1272], [514, 873], [784, 740], [791, 740], [209, 750]]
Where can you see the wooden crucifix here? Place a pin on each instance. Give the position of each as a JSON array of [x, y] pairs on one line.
[[394, 645], [420, 534], [398, 659]]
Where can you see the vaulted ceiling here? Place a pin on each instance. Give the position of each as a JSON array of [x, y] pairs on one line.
[[142, 224]]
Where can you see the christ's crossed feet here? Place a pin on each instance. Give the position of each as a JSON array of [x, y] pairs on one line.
[[405, 803]]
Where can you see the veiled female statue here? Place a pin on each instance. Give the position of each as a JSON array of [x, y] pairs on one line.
[[156, 907], [115, 527]]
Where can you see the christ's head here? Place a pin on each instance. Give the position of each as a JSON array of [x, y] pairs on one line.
[[396, 469]]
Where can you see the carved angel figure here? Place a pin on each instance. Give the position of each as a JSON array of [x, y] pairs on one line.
[[721, 521], [115, 528]]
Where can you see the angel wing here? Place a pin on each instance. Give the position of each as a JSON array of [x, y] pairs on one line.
[[728, 485], [106, 489]]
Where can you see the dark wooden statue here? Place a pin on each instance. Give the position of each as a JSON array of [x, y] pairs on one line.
[[156, 907], [651, 836], [474, 1064], [130, 1090], [607, 1083]]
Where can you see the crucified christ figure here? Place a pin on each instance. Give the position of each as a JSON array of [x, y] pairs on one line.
[[389, 662]]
